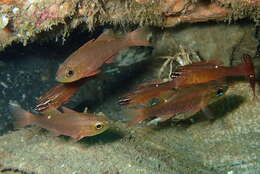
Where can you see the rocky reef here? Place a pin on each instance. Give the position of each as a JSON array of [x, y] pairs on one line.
[[229, 144], [181, 30], [29, 20]]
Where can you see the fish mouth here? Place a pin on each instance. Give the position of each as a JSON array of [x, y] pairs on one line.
[[62, 80]]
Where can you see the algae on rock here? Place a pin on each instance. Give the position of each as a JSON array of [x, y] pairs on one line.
[[26, 19]]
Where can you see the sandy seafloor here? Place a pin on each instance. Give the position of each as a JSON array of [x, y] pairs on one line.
[[230, 144]]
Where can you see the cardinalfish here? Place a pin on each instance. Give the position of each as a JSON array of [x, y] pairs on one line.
[[203, 72], [68, 122], [189, 99], [195, 73], [58, 95], [145, 93], [87, 60]]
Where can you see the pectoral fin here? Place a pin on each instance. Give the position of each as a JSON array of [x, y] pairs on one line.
[[163, 118]]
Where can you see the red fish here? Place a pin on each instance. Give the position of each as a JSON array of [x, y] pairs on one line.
[[58, 95], [68, 122], [189, 99], [144, 93], [87, 60], [195, 73], [203, 72]]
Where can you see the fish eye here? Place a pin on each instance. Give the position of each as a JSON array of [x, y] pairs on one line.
[[69, 73], [99, 126], [220, 92]]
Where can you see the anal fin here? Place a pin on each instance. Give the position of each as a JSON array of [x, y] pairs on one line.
[[165, 117]]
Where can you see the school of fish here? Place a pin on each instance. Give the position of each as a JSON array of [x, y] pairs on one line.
[[192, 88]]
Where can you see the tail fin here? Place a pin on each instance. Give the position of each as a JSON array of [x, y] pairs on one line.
[[22, 118], [250, 71], [139, 37], [139, 114]]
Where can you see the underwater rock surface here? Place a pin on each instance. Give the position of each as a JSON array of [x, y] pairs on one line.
[[210, 41], [30, 20], [230, 144], [218, 41]]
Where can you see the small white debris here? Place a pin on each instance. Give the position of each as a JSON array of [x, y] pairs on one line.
[[85, 110], [15, 10], [13, 103], [27, 33], [4, 84], [23, 96], [31, 1], [230, 172], [100, 114], [3, 21], [22, 139]]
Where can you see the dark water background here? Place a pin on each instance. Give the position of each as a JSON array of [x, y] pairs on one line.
[[27, 72]]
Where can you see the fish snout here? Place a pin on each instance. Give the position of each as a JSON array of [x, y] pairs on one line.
[[61, 78], [58, 76]]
